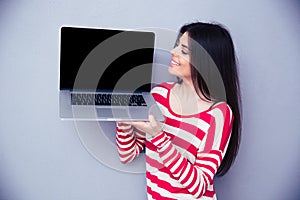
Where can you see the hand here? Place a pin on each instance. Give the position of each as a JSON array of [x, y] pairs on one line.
[[152, 127]]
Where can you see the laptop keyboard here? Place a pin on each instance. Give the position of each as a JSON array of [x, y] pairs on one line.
[[107, 99]]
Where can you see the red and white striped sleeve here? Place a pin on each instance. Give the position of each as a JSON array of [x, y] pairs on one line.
[[130, 142], [196, 177]]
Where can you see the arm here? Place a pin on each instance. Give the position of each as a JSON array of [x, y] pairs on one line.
[[130, 142], [198, 176]]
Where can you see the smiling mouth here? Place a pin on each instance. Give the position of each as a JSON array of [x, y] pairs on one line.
[[173, 63]]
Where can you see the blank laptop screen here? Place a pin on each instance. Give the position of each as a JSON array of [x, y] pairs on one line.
[[107, 60]]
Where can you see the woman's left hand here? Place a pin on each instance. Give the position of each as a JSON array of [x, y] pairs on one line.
[[152, 127]]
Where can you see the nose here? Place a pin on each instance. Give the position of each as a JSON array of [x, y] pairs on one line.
[[174, 51]]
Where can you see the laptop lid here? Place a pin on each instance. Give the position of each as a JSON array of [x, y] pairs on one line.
[[93, 59]]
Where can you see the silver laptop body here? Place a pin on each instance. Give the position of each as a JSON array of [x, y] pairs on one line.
[[105, 75]]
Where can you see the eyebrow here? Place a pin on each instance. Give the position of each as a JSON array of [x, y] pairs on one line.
[[184, 46]]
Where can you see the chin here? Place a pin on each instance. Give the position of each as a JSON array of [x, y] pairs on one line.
[[172, 72]]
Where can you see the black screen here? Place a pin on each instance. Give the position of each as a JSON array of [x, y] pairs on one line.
[[102, 59]]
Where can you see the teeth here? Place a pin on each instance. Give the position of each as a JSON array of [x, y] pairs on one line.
[[174, 63]]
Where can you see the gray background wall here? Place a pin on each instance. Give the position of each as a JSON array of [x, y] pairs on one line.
[[42, 157]]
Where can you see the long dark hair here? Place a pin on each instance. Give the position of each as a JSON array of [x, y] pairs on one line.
[[214, 74]]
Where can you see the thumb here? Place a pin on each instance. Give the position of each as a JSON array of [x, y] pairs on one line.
[[151, 119]]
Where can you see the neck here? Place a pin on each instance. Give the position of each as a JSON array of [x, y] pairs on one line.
[[188, 83], [188, 90]]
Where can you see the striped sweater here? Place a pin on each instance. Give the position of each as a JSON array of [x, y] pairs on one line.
[[182, 160]]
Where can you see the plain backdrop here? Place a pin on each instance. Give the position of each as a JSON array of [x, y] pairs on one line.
[[42, 157]]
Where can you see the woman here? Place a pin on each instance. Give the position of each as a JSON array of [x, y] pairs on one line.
[[202, 118]]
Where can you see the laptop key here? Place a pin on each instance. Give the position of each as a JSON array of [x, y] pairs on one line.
[[107, 99]]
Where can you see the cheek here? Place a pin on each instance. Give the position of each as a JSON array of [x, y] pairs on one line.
[[184, 61], [188, 71], [186, 66]]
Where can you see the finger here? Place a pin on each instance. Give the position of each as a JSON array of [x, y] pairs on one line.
[[135, 123], [138, 124]]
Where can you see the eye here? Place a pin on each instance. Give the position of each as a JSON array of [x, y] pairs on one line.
[[184, 52]]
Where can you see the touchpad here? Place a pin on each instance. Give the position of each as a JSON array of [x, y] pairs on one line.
[[116, 113]]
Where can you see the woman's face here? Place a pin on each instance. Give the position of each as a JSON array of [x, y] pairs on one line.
[[180, 63]]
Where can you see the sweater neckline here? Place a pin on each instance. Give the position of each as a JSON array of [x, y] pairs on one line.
[[180, 115]]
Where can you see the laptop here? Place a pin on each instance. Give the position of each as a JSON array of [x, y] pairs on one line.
[[105, 74]]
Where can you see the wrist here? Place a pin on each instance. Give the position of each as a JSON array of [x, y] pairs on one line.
[[161, 140], [156, 133]]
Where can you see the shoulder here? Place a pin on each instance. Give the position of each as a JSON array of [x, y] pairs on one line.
[[221, 109], [166, 85], [163, 88], [161, 93]]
